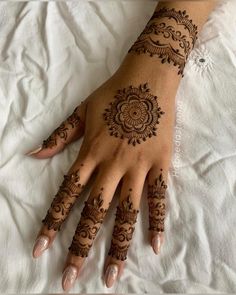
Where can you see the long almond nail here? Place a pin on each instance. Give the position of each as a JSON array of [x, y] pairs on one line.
[[31, 153], [111, 275], [69, 277], [156, 243], [40, 245]]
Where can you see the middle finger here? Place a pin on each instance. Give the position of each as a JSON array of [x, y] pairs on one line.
[[126, 217]]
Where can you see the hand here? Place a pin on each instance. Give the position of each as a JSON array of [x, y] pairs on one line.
[[127, 125]]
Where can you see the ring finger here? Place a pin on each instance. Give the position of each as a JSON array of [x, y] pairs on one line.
[[126, 216]]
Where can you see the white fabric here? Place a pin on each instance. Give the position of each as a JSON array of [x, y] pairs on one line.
[[52, 56]]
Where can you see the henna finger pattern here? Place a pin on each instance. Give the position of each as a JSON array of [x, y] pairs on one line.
[[63, 201], [92, 217], [157, 204], [134, 114], [63, 130], [126, 217], [170, 35]]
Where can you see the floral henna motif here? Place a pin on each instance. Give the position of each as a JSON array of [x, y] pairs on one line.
[[171, 42], [63, 201], [157, 204], [62, 131], [126, 217], [91, 218], [134, 114]]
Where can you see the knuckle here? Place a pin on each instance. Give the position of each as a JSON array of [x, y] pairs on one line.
[[141, 157], [166, 149], [118, 153], [93, 145]]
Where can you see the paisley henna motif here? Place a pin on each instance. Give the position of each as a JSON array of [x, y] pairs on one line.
[[91, 219], [157, 204], [126, 217], [170, 35], [63, 201], [122, 234], [134, 114], [63, 130]]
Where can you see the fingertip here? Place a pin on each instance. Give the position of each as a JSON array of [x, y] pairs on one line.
[[41, 244], [45, 152], [113, 269], [76, 261], [44, 240], [69, 277], [157, 241], [35, 151]]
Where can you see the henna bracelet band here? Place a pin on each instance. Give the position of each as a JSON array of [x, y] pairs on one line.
[[170, 35]]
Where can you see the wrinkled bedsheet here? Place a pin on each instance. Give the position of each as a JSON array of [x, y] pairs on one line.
[[54, 54]]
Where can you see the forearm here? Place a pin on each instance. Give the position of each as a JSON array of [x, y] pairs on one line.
[[160, 53]]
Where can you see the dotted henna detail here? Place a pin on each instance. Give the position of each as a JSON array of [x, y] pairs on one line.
[[63, 201], [63, 130], [126, 217], [92, 217], [170, 35], [157, 204], [133, 114]]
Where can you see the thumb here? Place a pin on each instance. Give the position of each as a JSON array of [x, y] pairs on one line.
[[70, 130]]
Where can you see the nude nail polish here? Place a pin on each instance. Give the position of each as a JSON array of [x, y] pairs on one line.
[[40, 246], [69, 277], [31, 153], [156, 244], [111, 274]]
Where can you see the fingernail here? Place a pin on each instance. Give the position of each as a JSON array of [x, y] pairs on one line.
[[38, 149], [40, 245], [111, 275], [69, 277], [156, 243]]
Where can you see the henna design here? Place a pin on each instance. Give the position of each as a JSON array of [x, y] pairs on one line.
[[91, 218], [171, 43], [118, 252], [134, 114], [157, 204], [122, 234], [62, 131], [79, 249], [63, 201], [126, 217]]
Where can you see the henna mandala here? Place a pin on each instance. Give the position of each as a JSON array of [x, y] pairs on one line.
[[62, 131], [171, 42], [91, 218], [157, 205], [63, 201], [134, 114], [126, 217]]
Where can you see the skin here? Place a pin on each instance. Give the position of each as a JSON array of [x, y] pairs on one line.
[[114, 160]]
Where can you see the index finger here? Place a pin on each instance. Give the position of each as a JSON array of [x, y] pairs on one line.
[[63, 202]]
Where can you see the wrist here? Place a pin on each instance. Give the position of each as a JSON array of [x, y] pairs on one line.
[[138, 69]]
